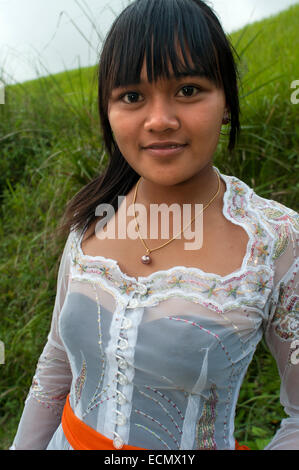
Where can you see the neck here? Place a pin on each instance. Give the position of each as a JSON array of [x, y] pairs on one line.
[[199, 189]]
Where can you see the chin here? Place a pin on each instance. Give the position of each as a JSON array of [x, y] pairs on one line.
[[164, 179]]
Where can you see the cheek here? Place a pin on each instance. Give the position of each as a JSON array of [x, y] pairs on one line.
[[208, 119], [122, 127]]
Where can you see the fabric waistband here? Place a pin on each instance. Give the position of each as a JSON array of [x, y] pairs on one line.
[[82, 437]]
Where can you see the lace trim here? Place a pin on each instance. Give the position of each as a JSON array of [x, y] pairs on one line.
[[267, 242]]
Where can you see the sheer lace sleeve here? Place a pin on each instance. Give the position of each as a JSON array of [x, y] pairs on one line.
[[282, 336], [52, 380]]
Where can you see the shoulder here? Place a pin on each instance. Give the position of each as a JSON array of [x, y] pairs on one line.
[[275, 224], [268, 210], [275, 213], [282, 223]]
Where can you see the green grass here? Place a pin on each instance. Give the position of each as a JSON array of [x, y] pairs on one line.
[[51, 145]]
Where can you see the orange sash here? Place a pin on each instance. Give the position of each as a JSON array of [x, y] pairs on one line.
[[82, 437]]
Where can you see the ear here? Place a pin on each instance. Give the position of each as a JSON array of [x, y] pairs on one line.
[[226, 116]]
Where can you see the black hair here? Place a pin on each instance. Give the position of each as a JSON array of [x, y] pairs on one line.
[[157, 31]]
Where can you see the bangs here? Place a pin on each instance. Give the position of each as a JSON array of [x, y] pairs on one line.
[[174, 38]]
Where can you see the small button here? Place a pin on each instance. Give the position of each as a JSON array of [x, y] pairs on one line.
[[141, 288], [121, 420], [123, 379], [127, 323], [133, 303], [121, 399], [123, 344], [118, 443], [122, 364]]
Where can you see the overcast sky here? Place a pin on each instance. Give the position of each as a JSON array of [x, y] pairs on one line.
[[38, 37]]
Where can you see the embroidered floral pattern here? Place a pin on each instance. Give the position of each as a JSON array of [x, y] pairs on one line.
[[206, 424], [282, 214], [286, 317], [80, 381], [282, 242], [262, 251]]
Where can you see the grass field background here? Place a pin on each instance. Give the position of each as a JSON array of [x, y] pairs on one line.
[[50, 146]]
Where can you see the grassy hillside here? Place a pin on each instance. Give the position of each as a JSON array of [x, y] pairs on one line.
[[50, 145]]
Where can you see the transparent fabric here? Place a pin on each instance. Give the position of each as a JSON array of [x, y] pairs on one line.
[[157, 362]]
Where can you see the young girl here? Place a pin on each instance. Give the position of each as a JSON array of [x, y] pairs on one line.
[[150, 341]]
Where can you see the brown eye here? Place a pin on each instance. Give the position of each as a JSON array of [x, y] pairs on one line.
[[132, 97], [189, 90]]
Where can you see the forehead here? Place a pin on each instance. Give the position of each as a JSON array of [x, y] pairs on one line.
[[168, 73]]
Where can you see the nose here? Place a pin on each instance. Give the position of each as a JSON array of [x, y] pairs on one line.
[[161, 116]]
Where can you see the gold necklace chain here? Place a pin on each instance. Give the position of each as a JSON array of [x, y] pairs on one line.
[[146, 258]]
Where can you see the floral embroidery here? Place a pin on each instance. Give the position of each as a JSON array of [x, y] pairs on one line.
[[232, 291], [176, 281], [259, 231], [237, 188], [80, 381], [293, 359], [36, 387], [82, 268], [282, 242], [262, 250], [261, 285], [272, 213], [40, 394], [99, 268], [210, 291], [240, 211], [281, 215], [288, 326], [105, 271], [286, 316], [75, 258], [206, 424], [126, 287]]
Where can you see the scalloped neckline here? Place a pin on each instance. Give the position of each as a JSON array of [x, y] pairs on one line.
[[163, 272]]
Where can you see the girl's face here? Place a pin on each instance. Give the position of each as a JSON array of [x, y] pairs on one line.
[[187, 112]]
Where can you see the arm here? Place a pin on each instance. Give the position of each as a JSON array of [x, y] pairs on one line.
[[52, 380], [282, 336]]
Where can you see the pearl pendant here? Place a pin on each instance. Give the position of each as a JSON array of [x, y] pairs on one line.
[[146, 259]]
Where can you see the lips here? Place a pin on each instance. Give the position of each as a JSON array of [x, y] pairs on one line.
[[165, 149], [164, 145]]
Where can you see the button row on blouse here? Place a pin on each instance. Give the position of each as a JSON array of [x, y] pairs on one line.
[[120, 421], [122, 378]]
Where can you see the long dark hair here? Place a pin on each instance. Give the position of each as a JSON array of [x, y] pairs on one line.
[[153, 29]]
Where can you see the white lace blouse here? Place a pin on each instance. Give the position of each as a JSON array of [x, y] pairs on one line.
[[157, 362]]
